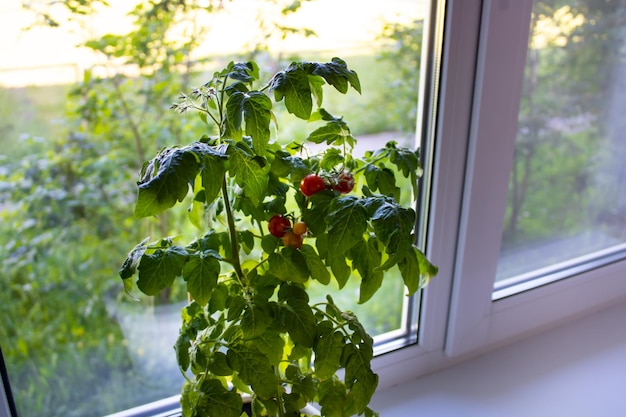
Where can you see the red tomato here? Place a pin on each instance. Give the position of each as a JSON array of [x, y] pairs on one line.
[[312, 184], [344, 183], [278, 225]]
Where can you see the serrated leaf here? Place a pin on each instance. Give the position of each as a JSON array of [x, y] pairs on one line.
[[243, 71], [254, 322], [257, 115], [218, 364], [234, 115], [216, 400], [250, 174], [293, 85], [328, 350], [271, 344], [316, 84], [341, 270], [394, 226], [315, 264], [165, 181], [328, 133], [332, 157], [366, 258], [359, 377], [159, 269], [201, 271], [333, 399], [303, 385], [132, 260], [347, 222], [254, 369], [337, 74], [289, 265], [213, 170], [181, 347], [300, 322], [316, 214], [416, 270]]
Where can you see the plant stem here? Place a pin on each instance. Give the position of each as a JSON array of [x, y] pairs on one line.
[[279, 395], [234, 246]]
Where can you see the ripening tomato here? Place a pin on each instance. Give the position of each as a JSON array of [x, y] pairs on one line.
[[312, 184], [343, 183], [279, 225], [292, 239], [299, 228]]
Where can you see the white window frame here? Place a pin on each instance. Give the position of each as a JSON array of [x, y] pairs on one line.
[[483, 66]]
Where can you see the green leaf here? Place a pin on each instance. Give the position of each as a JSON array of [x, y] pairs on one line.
[[243, 71], [328, 350], [289, 265], [201, 271], [132, 259], [254, 369], [315, 264], [255, 321], [257, 114], [165, 181], [333, 399], [300, 322], [316, 214], [328, 133], [394, 227], [347, 222], [293, 85], [213, 170], [337, 74], [218, 401], [359, 377], [304, 385], [366, 258], [218, 364], [181, 347], [341, 270], [234, 115], [250, 173], [159, 269], [271, 344], [416, 270]]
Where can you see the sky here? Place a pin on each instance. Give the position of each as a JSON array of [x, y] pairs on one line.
[[50, 56]]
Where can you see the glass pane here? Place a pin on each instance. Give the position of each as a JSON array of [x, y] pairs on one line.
[[567, 193], [72, 122]]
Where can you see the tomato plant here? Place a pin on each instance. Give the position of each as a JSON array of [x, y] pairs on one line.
[[312, 184], [251, 324], [278, 225]]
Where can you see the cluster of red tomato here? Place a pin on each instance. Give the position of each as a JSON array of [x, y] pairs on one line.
[[343, 183], [280, 226]]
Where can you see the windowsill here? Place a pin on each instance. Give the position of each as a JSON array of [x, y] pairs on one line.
[[578, 369]]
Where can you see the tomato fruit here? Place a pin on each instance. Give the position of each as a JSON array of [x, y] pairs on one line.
[[343, 183], [292, 239], [312, 184], [299, 228], [279, 225]]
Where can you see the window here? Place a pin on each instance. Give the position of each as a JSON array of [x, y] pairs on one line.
[[77, 342], [489, 72], [481, 314]]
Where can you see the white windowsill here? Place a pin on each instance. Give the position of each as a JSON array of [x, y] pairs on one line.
[[575, 370]]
